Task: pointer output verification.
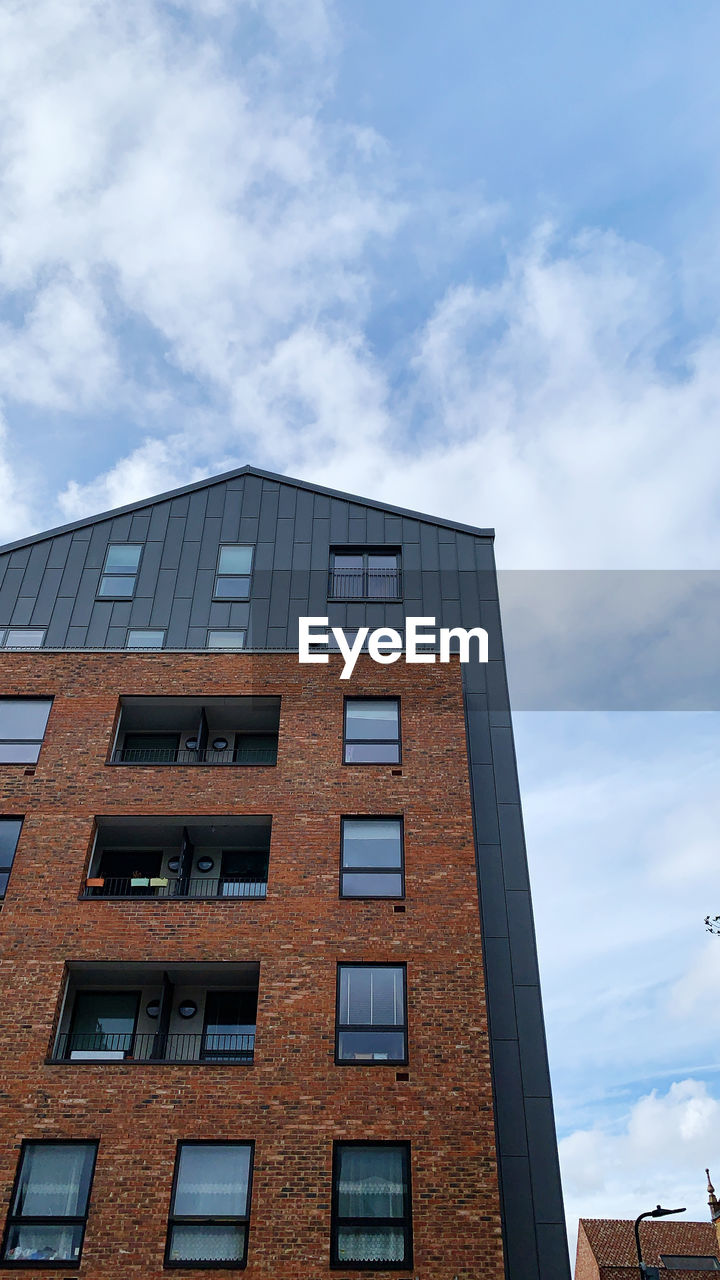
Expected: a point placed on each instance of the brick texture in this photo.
(293, 1101)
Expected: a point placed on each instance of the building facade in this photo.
(270, 979)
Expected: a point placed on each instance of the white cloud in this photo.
(195, 224)
(657, 1155)
(14, 509)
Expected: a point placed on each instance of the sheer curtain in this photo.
(371, 1185)
(54, 1184)
(212, 1183)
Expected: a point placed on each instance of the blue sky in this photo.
(463, 259)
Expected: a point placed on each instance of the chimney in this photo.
(714, 1208)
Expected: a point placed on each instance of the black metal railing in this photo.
(168, 755)
(365, 584)
(128, 1046)
(164, 887)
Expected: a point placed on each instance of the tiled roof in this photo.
(612, 1241)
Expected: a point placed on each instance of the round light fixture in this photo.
(205, 864)
(174, 864)
(152, 1009)
(191, 744)
(187, 1009)
(220, 744)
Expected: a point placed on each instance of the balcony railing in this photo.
(153, 1047)
(247, 755)
(365, 584)
(163, 887)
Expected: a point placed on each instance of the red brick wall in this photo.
(586, 1267)
(293, 1100)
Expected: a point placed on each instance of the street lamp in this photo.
(646, 1272)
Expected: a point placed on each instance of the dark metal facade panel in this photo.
(541, 1140)
(531, 1031)
(520, 1238)
(448, 573)
(510, 1109)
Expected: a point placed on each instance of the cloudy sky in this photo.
(464, 259)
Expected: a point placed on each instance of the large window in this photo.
(371, 1024)
(103, 1025)
(9, 835)
(210, 1205)
(48, 1211)
(371, 858)
(119, 574)
(371, 1208)
(229, 1028)
(372, 731)
(22, 728)
(365, 574)
(232, 580)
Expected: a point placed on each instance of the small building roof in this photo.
(612, 1244)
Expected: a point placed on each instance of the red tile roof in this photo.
(612, 1241)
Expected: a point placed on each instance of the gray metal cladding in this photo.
(52, 581)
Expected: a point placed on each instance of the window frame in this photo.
(221, 648)
(34, 741)
(376, 764)
(670, 1260)
(10, 817)
(144, 648)
(6, 643)
(406, 1220)
(388, 871)
(13, 1219)
(81, 991)
(173, 1219)
(362, 1026)
(366, 551)
(218, 575)
(104, 573)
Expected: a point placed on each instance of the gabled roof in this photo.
(233, 475)
(612, 1241)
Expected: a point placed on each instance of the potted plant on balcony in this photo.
(139, 881)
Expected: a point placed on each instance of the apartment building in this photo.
(270, 988)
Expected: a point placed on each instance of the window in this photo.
(150, 748)
(371, 858)
(371, 1024)
(229, 1029)
(226, 640)
(22, 728)
(365, 574)
(48, 1212)
(232, 580)
(9, 835)
(145, 639)
(210, 1205)
(372, 731)
(120, 571)
(103, 1025)
(371, 1214)
(685, 1262)
(22, 638)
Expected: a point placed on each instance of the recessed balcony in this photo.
(193, 1013)
(187, 731)
(180, 858)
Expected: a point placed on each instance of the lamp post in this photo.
(658, 1212)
